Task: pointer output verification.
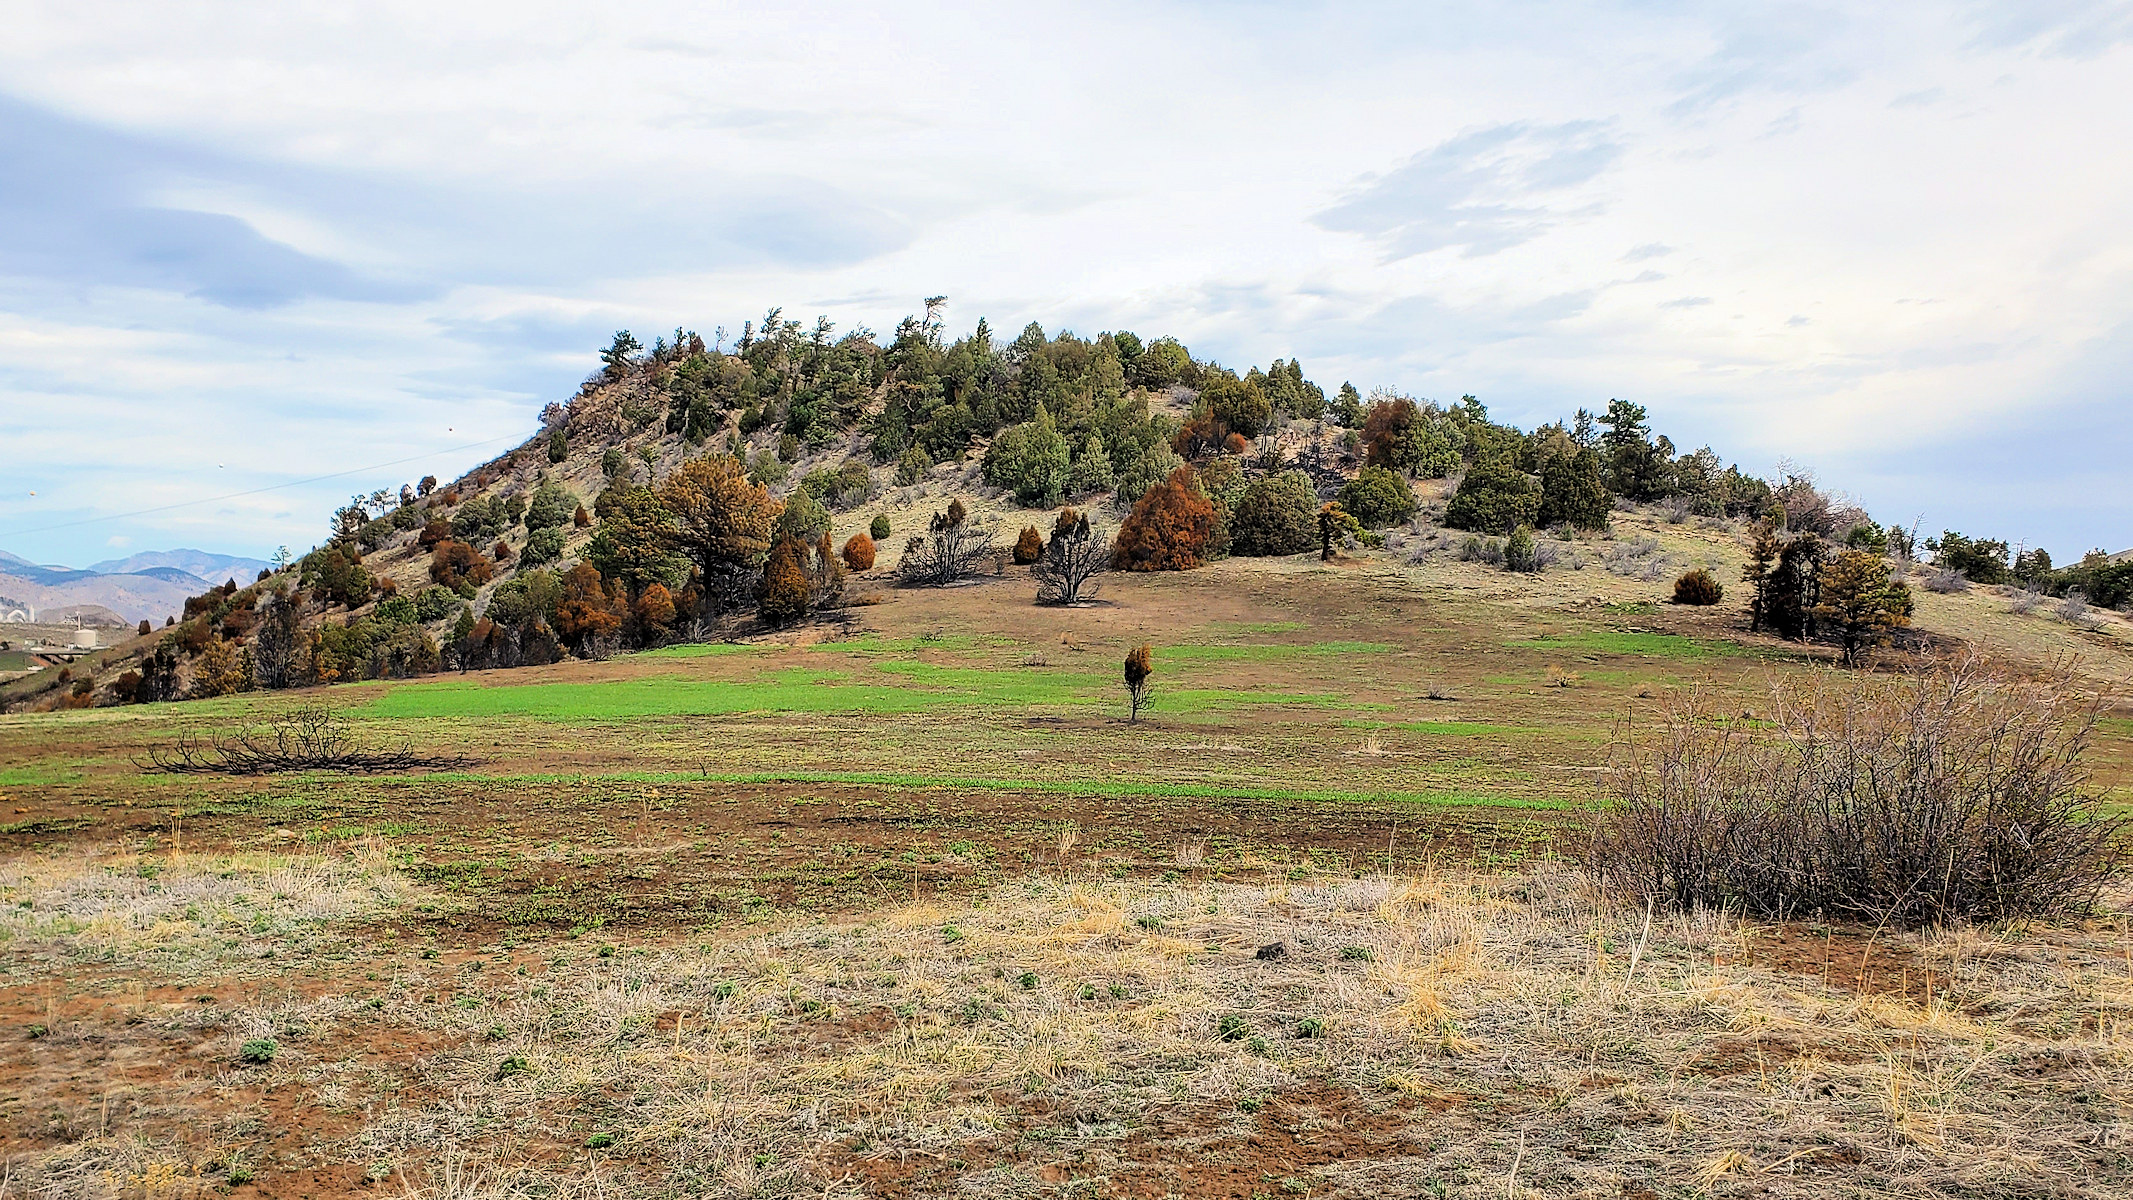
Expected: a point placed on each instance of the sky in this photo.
(247, 246)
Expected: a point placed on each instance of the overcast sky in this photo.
(245, 245)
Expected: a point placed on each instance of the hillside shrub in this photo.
(879, 529)
(1378, 497)
(1519, 552)
(1495, 497)
(859, 552)
(1147, 469)
(1421, 441)
(544, 546)
(1955, 793)
(804, 517)
(1698, 587)
(1029, 460)
(654, 613)
(1981, 560)
(552, 507)
(1275, 516)
(1574, 492)
(1091, 469)
(1168, 530)
(1029, 547)
(459, 566)
(435, 603)
(913, 466)
(1239, 404)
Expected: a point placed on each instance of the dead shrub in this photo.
(1956, 791)
(1698, 587)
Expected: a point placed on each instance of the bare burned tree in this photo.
(308, 739)
(952, 548)
(1077, 554)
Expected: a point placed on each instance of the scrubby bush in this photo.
(551, 508)
(1091, 469)
(804, 517)
(879, 529)
(544, 546)
(1494, 497)
(1422, 441)
(1275, 516)
(1147, 469)
(1168, 530)
(1029, 547)
(435, 603)
(1981, 560)
(1698, 587)
(912, 466)
(1378, 497)
(785, 591)
(859, 552)
(1029, 460)
(1954, 793)
(460, 567)
(1519, 552)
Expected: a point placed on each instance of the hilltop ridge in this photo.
(566, 543)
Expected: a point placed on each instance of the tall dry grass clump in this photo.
(1955, 791)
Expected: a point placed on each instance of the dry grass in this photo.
(88, 906)
(1511, 1034)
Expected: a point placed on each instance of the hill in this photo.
(150, 586)
(198, 564)
(832, 432)
(884, 894)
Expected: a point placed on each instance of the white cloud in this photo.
(286, 240)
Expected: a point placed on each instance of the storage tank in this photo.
(85, 639)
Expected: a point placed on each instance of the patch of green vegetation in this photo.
(36, 776)
(46, 825)
(916, 687)
(1263, 653)
(1653, 645)
(876, 644)
(1447, 728)
(1099, 788)
(698, 650)
(1200, 700)
(623, 699)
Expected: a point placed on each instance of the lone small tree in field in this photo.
(1138, 693)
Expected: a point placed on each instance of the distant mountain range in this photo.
(145, 587)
